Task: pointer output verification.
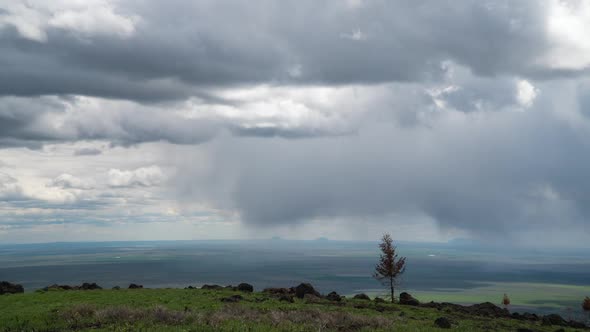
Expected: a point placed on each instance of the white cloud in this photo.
(67, 181)
(568, 22)
(9, 187)
(356, 34)
(86, 18)
(100, 19)
(525, 93)
(144, 176)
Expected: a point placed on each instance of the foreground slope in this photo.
(222, 310)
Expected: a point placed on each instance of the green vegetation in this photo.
(538, 295)
(203, 310)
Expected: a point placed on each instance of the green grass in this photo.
(521, 294)
(203, 310)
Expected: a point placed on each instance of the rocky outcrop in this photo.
(211, 287)
(10, 288)
(244, 287)
(135, 286)
(525, 316)
(89, 286)
(407, 299)
(333, 296)
(362, 296)
(443, 323)
(84, 286)
(304, 289)
(276, 291)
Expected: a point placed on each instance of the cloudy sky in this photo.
(433, 120)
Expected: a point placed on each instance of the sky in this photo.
(164, 120)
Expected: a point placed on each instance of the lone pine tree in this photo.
(390, 266)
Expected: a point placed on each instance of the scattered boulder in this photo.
(190, 287)
(89, 286)
(232, 299)
(213, 287)
(443, 323)
(488, 309)
(312, 298)
(525, 316)
(56, 287)
(362, 296)
(116, 288)
(244, 287)
(379, 300)
(333, 296)
(135, 286)
(407, 299)
(305, 288)
(9, 288)
(554, 319)
(276, 291)
(84, 286)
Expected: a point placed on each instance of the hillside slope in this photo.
(231, 310)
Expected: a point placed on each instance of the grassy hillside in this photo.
(204, 310)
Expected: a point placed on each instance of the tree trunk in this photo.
(391, 286)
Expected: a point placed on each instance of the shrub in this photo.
(506, 300)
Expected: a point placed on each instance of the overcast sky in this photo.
(433, 120)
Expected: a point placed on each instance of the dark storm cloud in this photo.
(505, 174)
(179, 46)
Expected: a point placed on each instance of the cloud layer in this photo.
(219, 118)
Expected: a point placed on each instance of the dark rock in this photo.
(84, 286)
(56, 287)
(333, 296)
(135, 286)
(244, 287)
(529, 316)
(443, 323)
(522, 329)
(88, 286)
(286, 298)
(312, 298)
(9, 288)
(379, 300)
(277, 291)
(213, 287)
(362, 296)
(305, 288)
(116, 288)
(190, 287)
(232, 299)
(576, 325)
(488, 309)
(407, 299)
(554, 319)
